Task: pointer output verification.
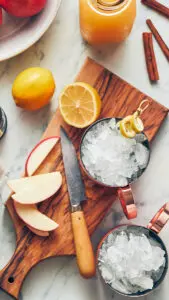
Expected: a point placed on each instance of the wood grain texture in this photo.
(119, 99)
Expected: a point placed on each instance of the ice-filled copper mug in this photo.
(151, 232)
(124, 193)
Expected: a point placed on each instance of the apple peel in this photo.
(1, 16)
(38, 232)
(34, 219)
(39, 153)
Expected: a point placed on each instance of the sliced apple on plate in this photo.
(35, 189)
(39, 153)
(34, 219)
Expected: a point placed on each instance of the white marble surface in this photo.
(62, 50)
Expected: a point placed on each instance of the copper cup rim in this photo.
(88, 173)
(157, 238)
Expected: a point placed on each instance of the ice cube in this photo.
(143, 282)
(121, 181)
(142, 155)
(107, 275)
(140, 138)
(112, 124)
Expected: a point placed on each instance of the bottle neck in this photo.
(110, 5)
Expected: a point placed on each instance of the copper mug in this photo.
(125, 194)
(153, 229)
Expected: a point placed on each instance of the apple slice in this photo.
(39, 153)
(0, 16)
(38, 232)
(35, 189)
(53, 178)
(34, 219)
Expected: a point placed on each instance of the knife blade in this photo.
(76, 190)
(75, 184)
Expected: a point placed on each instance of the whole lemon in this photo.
(33, 88)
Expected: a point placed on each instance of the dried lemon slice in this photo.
(126, 128)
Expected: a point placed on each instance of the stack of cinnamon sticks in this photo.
(148, 40)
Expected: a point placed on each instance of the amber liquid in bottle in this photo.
(106, 21)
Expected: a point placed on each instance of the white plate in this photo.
(17, 35)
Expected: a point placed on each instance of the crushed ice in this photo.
(131, 262)
(111, 158)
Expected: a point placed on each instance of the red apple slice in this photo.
(39, 153)
(0, 16)
(32, 217)
(38, 232)
(35, 189)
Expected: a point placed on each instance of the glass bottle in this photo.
(106, 21)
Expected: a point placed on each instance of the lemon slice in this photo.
(79, 104)
(126, 128)
(137, 123)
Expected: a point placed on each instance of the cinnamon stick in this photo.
(150, 56)
(164, 10)
(158, 38)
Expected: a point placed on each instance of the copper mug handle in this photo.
(126, 198)
(160, 219)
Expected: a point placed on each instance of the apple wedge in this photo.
(34, 219)
(38, 232)
(39, 153)
(35, 189)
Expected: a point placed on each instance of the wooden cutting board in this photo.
(119, 99)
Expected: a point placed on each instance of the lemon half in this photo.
(79, 104)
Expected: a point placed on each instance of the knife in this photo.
(76, 190)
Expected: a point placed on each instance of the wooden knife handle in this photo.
(83, 245)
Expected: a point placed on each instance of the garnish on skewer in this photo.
(126, 128)
(131, 125)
